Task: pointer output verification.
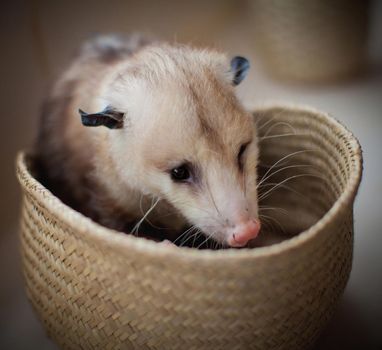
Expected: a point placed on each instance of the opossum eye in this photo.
(109, 117)
(181, 173)
(240, 155)
(239, 67)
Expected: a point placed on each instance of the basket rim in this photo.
(123, 242)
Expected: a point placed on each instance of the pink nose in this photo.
(243, 233)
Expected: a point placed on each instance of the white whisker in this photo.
(282, 210)
(275, 221)
(279, 123)
(282, 169)
(208, 237)
(135, 229)
(264, 195)
(265, 124)
(280, 135)
(282, 159)
(184, 233)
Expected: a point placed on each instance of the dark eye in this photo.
(240, 155)
(180, 173)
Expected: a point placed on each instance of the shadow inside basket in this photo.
(300, 176)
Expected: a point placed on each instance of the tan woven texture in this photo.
(315, 40)
(94, 288)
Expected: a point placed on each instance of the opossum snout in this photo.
(243, 232)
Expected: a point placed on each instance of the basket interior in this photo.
(304, 166)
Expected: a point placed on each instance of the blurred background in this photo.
(321, 53)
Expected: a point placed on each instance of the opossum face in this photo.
(205, 166)
(188, 141)
(199, 152)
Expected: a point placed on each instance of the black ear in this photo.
(239, 67)
(109, 117)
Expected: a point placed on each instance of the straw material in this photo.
(314, 40)
(94, 288)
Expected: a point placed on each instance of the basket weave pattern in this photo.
(94, 288)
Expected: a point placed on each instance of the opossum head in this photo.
(183, 136)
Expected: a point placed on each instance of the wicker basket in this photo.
(95, 288)
(312, 41)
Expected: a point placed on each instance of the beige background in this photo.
(38, 39)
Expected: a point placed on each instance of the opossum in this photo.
(140, 130)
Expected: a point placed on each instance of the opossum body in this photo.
(173, 146)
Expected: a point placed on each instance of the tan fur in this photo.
(179, 105)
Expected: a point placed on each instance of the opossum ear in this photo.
(239, 68)
(109, 117)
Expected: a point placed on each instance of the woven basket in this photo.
(94, 288)
(312, 41)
